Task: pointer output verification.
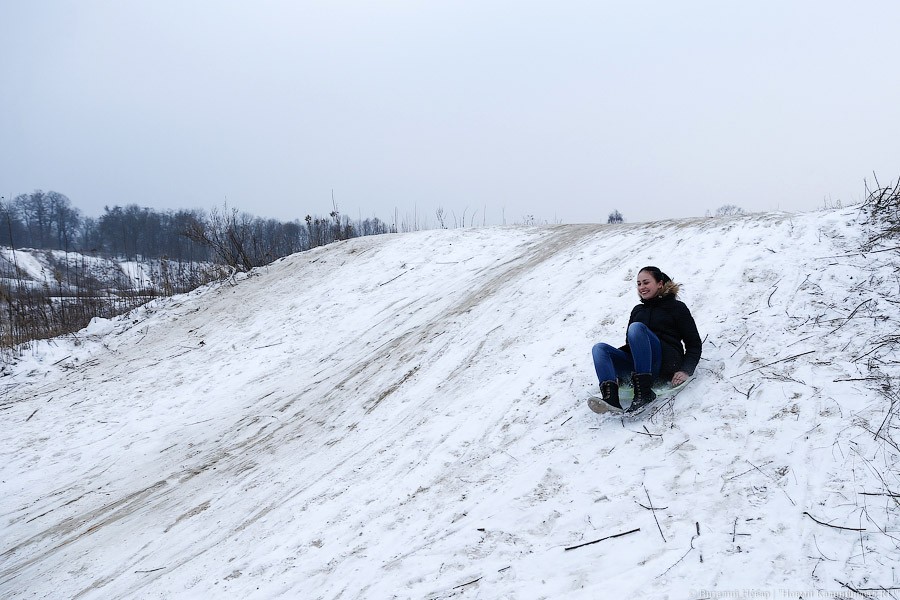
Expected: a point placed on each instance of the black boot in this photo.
(609, 391)
(609, 397)
(643, 392)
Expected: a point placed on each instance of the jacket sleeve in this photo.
(693, 345)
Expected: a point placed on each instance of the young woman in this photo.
(662, 342)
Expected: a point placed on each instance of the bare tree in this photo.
(12, 230)
(229, 235)
(729, 210)
(34, 211)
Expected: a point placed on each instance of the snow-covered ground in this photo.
(404, 416)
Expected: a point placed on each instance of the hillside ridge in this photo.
(404, 416)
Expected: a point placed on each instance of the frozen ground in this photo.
(404, 417)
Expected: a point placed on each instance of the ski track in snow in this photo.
(404, 416)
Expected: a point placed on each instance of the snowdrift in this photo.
(404, 416)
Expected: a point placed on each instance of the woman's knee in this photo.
(601, 349)
(636, 328)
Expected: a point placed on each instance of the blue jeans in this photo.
(613, 364)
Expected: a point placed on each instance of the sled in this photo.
(663, 390)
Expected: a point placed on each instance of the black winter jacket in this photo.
(671, 321)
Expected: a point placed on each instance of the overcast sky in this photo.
(561, 110)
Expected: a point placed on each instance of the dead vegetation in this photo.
(882, 207)
(77, 289)
(880, 427)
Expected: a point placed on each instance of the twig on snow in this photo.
(734, 532)
(822, 554)
(879, 436)
(645, 432)
(830, 525)
(675, 449)
(752, 467)
(889, 494)
(859, 253)
(669, 403)
(654, 514)
(681, 559)
(747, 393)
(609, 537)
(742, 344)
(738, 475)
(758, 469)
(772, 479)
(776, 362)
(884, 342)
(395, 278)
(852, 589)
(268, 346)
(881, 588)
(468, 583)
(511, 456)
(800, 340)
(847, 320)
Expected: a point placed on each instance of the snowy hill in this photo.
(404, 416)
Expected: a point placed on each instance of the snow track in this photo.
(403, 416)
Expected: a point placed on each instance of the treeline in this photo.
(48, 220)
(104, 266)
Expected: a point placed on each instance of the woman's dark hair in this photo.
(657, 274)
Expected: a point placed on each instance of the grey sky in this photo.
(561, 110)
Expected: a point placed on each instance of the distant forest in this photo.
(48, 220)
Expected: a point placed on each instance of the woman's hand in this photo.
(679, 378)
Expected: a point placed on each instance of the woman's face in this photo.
(647, 286)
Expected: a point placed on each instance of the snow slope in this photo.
(404, 416)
